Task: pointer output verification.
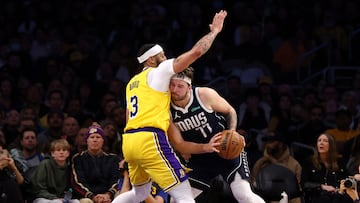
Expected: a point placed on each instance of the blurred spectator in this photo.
(53, 132)
(298, 118)
(277, 151)
(310, 97)
(322, 172)
(40, 47)
(313, 127)
(280, 114)
(266, 91)
(34, 99)
(70, 129)
(55, 102)
(11, 125)
(234, 91)
(333, 32)
(342, 132)
(255, 49)
(107, 101)
(252, 113)
(352, 155)
(349, 100)
(80, 141)
(110, 133)
(24, 123)
(287, 55)
(117, 87)
(8, 95)
(10, 177)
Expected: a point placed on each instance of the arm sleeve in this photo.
(39, 182)
(115, 176)
(78, 178)
(159, 78)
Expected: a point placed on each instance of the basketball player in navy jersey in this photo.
(200, 113)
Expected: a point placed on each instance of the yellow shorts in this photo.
(150, 157)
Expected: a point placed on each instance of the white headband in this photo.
(182, 77)
(149, 53)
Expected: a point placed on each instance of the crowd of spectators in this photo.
(64, 64)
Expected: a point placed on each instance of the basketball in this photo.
(231, 144)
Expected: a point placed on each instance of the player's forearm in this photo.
(193, 148)
(204, 44)
(231, 119)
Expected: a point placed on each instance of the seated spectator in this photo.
(280, 114)
(70, 129)
(95, 173)
(10, 177)
(80, 142)
(28, 157)
(322, 172)
(55, 101)
(314, 126)
(277, 152)
(352, 155)
(53, 132)
(10, 127)
(51, 178)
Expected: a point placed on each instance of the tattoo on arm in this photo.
(205, 42)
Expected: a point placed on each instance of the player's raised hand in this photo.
(218, 21)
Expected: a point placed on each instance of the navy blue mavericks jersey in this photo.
(199, 124)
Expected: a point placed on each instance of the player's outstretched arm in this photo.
(186, 147)
(202, 46)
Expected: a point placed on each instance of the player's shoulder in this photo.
(205, 92)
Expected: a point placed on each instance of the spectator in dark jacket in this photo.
(95, 173)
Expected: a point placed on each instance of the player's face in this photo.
(160, 57)
(178, 89)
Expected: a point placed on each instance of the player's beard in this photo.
(178, 98)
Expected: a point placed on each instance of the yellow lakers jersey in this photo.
(146, 106)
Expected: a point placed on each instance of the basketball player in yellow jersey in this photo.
(146, 146)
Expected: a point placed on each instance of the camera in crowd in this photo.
(350, 182)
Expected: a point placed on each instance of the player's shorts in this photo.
(151, 158)
(202, 175)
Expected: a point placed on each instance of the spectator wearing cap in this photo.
(342, 132)
(95, 174)
(277, 152)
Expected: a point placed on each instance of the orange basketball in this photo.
(231, 144)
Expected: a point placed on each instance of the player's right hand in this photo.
(218, 21)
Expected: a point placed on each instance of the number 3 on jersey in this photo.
(134, 106)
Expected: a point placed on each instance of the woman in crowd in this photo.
(322, 172)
